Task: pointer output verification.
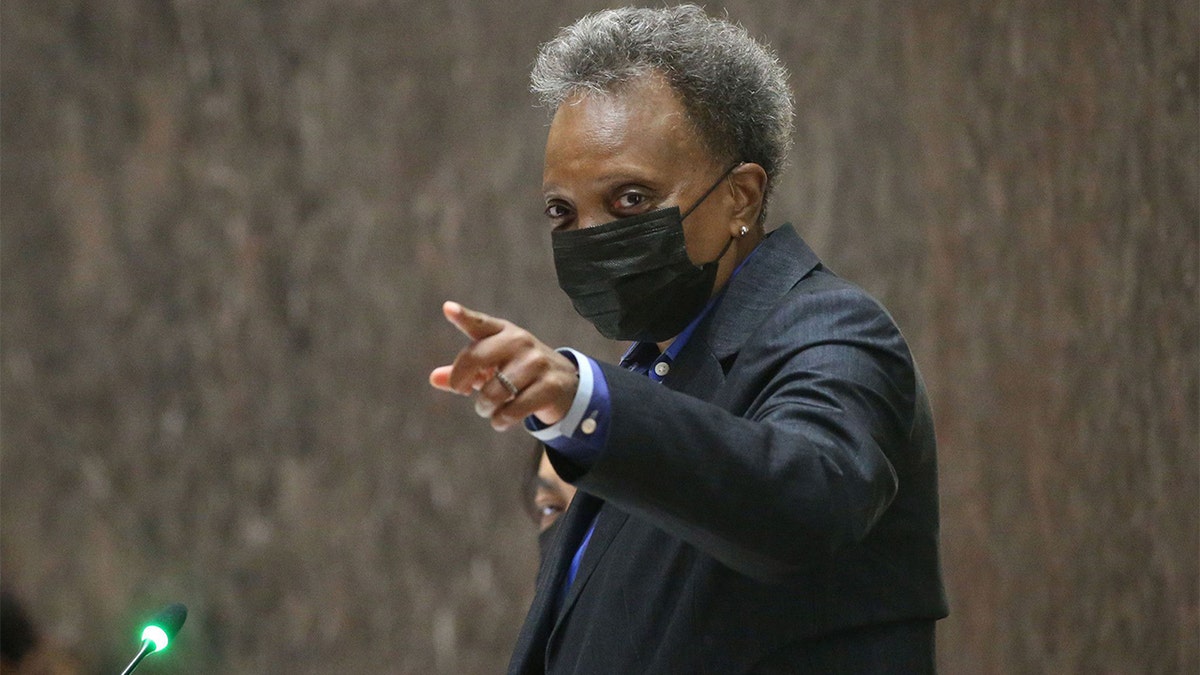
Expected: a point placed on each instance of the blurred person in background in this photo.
(757, 477)
(545, 495)
(23, 651)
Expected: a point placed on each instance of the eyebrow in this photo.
(610, 179)
(624, 176)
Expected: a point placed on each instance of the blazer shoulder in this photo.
(822, 305)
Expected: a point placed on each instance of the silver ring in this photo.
(512, 388)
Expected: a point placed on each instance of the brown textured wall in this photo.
(227, 227)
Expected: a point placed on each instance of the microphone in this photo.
(159, 632)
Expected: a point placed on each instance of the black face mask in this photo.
(632, 277)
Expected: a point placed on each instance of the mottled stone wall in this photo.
(227, 228)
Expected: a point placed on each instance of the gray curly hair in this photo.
(734, 89)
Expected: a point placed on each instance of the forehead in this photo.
(640, 128)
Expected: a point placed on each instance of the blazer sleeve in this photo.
(791, 457)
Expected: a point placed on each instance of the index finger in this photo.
(473, 324)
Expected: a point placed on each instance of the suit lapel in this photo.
(529, 652)
(779, 264)
(609, 522)
(696, 370)
(775, 267)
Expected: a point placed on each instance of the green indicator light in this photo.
(156, 635)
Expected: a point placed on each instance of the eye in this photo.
(559, 213)
(629, 200)
(549, 506)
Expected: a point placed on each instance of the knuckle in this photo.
(524, 339)
(562, 381)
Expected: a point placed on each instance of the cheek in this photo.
(705, 238)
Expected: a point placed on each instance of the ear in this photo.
(747, 184)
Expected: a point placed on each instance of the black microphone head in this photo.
(163, 627)
(170, 619)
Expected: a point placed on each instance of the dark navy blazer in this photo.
(770, 508)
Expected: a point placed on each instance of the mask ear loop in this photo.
(705, 196)
(710, 190)
(723, 252)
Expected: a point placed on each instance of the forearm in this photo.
(766, 489)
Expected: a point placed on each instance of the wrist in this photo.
(563, 418)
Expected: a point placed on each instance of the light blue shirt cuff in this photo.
(581, 434)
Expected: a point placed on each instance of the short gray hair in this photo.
(734, 89)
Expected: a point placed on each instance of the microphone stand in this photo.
(147, 648)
